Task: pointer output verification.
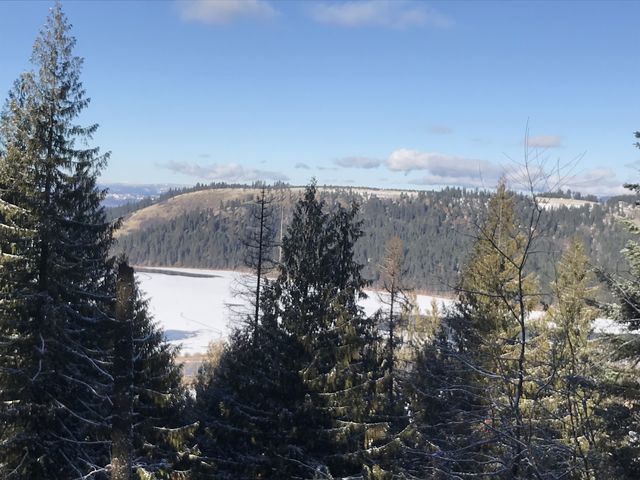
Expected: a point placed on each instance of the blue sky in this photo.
(394, 94)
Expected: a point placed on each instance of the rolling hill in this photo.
(203, 227)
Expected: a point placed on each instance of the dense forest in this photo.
(309, 387)
(436, 228)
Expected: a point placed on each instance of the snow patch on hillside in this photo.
(549, 203)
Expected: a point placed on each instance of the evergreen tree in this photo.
(565, 365)
(622, 414)
(247, 400)
(55, 276)
(161, 435)
(447, 405)
(318, 287)
(246, 406)
(496, 298)
(299, 402)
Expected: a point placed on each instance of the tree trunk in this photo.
(121, 432)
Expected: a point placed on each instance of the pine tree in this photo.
(55, 276)
(446, 402)
(496, 298)
(299, 402)
(566, 365)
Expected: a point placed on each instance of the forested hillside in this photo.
(203, 228)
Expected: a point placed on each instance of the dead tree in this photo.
(396, 301)
(260, 244)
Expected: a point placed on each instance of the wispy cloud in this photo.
(597, 181)
(470, 181)
(228, 172)
(440, 129)
(302, 166)
(444, 169)
(358, 162)
(544, 141)
(224, 11)
(406, 160)
(379, 13)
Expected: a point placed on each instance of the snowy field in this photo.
(196, 307)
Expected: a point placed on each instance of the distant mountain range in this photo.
(123, 193)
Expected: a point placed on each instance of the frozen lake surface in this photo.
(196, 306)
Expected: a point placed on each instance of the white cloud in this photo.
(444, 169)
(228, 172)
(544, 141)
(358, 162)
(302, 165)
(379, 13)
(406, 160)
(224, 11)
(598, 181)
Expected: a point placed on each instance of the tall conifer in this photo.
(55, 276)
(496, 298)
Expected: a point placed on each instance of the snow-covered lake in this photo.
(196, 306)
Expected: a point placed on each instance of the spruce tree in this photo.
(446, 402)
(55, 277)
(301, 400)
